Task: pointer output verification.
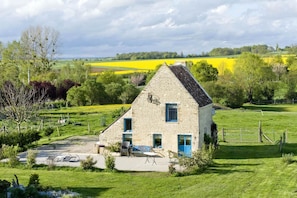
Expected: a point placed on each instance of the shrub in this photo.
(48, 131)
(21, 139)
(10, 152)
(4, 185)
(17, 193)
(200, 160)
(207, 139)
(171, 169)
(34, 180)
(116, 147)
(88, 163)
(288, 158)
(31, 158)
(109, 161)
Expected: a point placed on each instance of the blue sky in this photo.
(100, 28)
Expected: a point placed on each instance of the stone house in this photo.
(173, 112)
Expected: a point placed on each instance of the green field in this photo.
(240, 170)
(274, 119)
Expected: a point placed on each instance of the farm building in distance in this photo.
(173, 112)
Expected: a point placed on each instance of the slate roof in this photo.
(190, 83)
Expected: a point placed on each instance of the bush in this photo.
(288, 158)
(31, 158)
(207, 139)
(48, 131)
(10, 152)
(116, 147)
(109, 162)
(171, 169)
(200, 160)
(4, 185)
(88, 163)
(34, 180)
(21, 139)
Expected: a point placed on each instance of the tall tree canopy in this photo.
(204, 72)
(250, 71)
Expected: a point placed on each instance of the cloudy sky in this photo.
(100, 28)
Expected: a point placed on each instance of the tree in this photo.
(114, 91)
(137, 79)
(204, 72)
(95, 92)
(63, 87)
(11, 64)
(108, 77)
(278, 66)
(130, 92)
(40, 46)
(44, 86)
(76, 71)
(248, 73)
(20, 103)
(76, 96)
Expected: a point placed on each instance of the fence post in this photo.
(284, 137)
(260, 132)
(223, 135)
(281, 144)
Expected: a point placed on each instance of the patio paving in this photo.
(84, 146)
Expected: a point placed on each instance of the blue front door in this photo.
(185, 145)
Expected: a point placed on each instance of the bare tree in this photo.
(40, 46)
(20, 103)
(137, 79)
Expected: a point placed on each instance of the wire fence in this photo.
(256, 135)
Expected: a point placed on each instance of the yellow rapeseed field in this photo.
(126, 67)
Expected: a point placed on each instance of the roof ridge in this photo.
(191, 84)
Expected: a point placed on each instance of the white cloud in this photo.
(107, 27)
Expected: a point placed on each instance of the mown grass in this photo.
(273, 118)
(83, 120)
(239, 170)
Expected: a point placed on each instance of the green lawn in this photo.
(274, 119)
(240, 170)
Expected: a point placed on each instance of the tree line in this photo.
(252, 80)
(220, 51)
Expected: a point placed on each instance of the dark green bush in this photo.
(22, 139)
(48, 131)
(34, 180)
(4, 185)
